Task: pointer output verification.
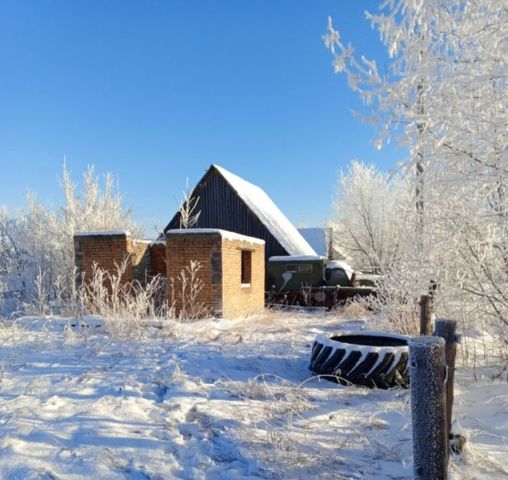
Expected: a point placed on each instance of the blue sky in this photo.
(156, 91)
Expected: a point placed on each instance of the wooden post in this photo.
(447, 329)
(428, 407)
(426, 315)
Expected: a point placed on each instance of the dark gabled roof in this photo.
(263, 208)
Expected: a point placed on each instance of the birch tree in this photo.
(444, 98)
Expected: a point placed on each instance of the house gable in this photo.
(228, 202)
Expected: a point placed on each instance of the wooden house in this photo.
(228, 202)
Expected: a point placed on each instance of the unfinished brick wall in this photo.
(203, 248)
(219, 255)
(106, 250)
(240, 299)
(103, 250)
(158, 258)
(140, 262)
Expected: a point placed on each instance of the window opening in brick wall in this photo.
(246, 267)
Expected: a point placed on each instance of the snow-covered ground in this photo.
(215, 400)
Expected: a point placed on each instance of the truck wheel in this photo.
(371, 359)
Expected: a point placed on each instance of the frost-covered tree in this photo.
(443, 96)
(36, 246)
(94, 205)
(444, 93)
(371, 215)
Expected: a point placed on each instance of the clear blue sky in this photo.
(156, 91)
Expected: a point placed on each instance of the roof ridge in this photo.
(272, 217)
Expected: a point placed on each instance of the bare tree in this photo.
(188, 210)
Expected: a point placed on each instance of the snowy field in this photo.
(215, 400)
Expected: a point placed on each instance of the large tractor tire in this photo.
(371, 359)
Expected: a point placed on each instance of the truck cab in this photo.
(312, 280)
(291, 273)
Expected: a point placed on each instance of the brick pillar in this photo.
(205, 249)
(232, 282)
(103, 249)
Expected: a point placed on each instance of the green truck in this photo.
(315, 281)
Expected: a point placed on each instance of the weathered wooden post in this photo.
(426, 315)
(446, 329)
(428, 407)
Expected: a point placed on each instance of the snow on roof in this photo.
(269, 214)
(316, 238)
(296, 258)
(225, 234)
(100, 233)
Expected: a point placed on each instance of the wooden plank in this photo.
(426, 315)
(447, 329)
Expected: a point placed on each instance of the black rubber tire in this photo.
(371, 359)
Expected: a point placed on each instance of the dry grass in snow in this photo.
(215, 399)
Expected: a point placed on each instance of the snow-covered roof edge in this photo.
(268, 214)
(296, 258)
(225, 234)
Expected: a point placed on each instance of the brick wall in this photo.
(242, 299)
(103, 250)
(220, 258)
(218, 253)
(203, 248)
(106, 250)
(158, 258)
(140, 262)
